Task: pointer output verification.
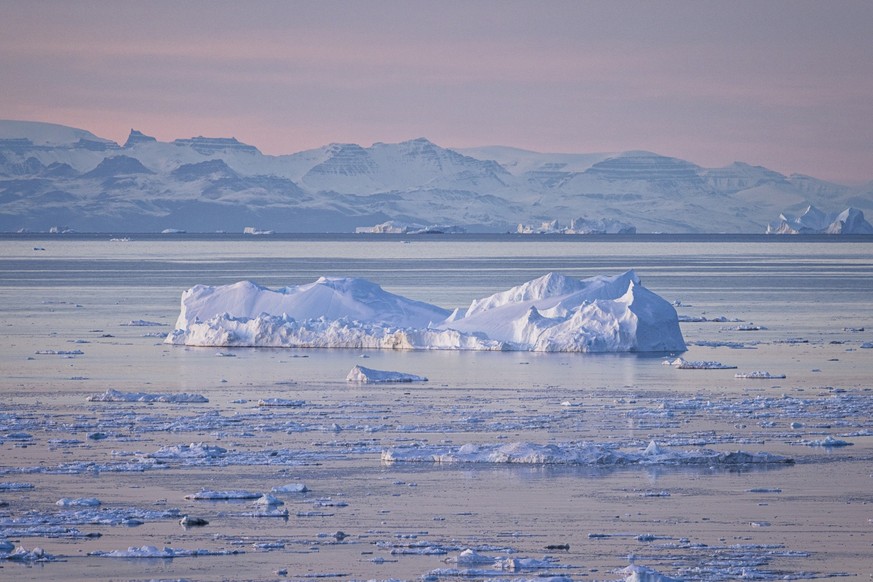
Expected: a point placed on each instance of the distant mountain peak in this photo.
(48, 134)
(210, 145)
(117, 166)
(213, 169)
(137, 137)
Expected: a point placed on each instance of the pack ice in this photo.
(553, 313)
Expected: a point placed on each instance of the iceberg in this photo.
(814, 221)
(362, 375)
(553, 313)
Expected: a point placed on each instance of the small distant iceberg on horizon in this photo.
(814, 221)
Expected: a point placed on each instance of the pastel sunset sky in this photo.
(784, 84)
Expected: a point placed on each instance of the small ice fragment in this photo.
(208, 495)
(636, 573)
(268, 500)
(281, 402)
(189, 521)
(828, 441)
(759, 375)
(682, 364)
(80, 502)
(13, 486)
(290, 488)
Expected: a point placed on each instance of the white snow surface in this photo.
(553, 313)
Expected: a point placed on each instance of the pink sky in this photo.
(784, 84)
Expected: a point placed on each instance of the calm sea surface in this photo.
(73, 311)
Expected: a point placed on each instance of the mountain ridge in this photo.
(51, 173)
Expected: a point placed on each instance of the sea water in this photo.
(83, 314)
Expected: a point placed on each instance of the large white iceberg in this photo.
(553, 313)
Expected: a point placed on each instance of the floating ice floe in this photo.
(702, 319)
(574, 454)
(683, 364)
(281, 402)
(59, 353)
(12, 486)
(290, 488)
(141, 323)
(634, 573)
(209, 495)
(79, 502)
(362, 375)
(553, 313)
(759, 375)
(154, 552)
(191, 451)
(725, 344)
(496, 566)
(22, 555)
(828, 441)
(117, 396)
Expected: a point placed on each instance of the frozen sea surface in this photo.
(563, 466)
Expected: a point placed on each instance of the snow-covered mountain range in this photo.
(57, 176)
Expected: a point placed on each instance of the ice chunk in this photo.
(362, 375)
(281, 402)
(290, 488)
(682, 364)
(80, 502)
(760, 375)
(154, 552)
(634, 573)
(209, 495)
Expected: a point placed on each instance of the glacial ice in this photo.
(553, 313)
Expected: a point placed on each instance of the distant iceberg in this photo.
(814, 221)
(394, 227)
(579, 226)
(553, 313)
